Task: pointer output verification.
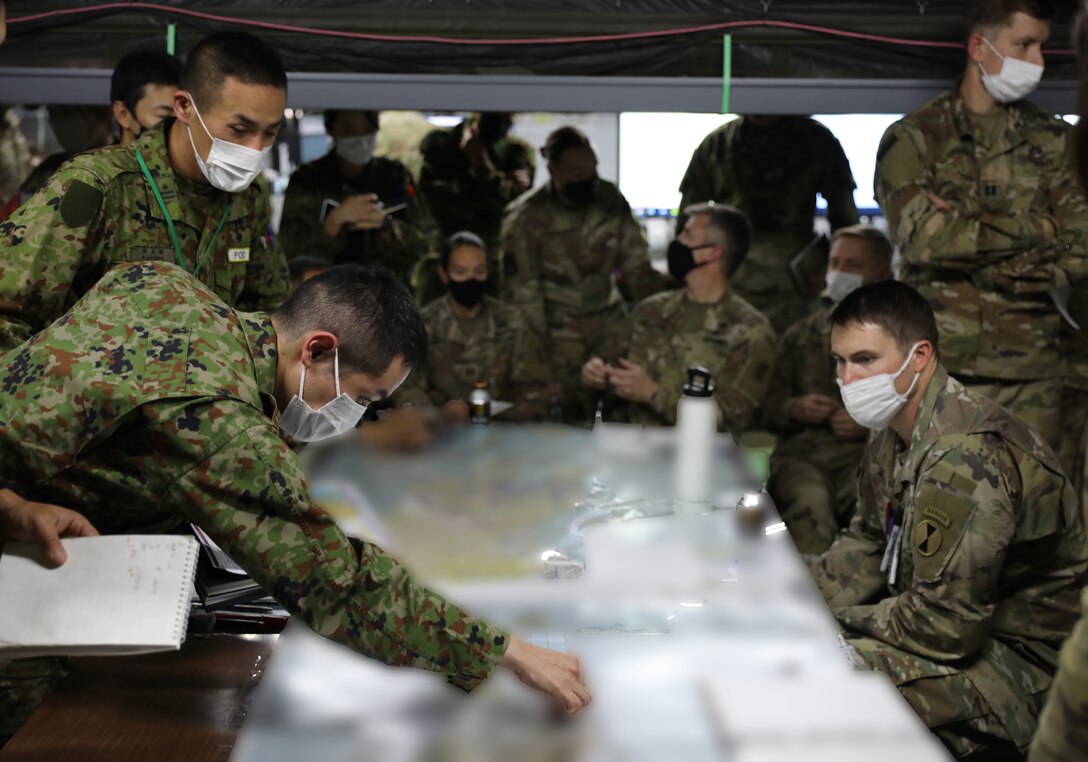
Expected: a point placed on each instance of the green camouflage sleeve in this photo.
(267, 278)
(957, 238)
(848, 573)
(49, 243)
(945, 607)
(529, 375)
(634, 259)
(1063, 724)
(837, 187)
(519, 281)
(781, 389)
(301, 233)
(416, 390)
(416, 235)
(251, 497)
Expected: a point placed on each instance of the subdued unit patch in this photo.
(80, 204)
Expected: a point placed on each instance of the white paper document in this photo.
(122, 594)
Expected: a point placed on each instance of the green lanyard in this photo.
(170, 220)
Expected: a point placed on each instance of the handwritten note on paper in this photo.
(114, 595)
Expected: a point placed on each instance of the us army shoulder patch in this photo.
(941, 519)
(80, 204)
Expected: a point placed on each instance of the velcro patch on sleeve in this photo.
(80, 204)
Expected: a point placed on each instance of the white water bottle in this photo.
(696, 427)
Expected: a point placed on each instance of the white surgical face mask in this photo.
(840, 283)
(873, 401)
(300, 421)
(358, 149)
(229, 167)
(1016, 80)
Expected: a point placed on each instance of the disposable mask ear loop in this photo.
(336, 368)
(906, 364)
(198, 116)
(302, 382)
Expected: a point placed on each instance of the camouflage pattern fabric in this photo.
(730, 338)
(98, 211)
(400, 245)
(496, 346)
(24, 685)
(982, 264)
(813, 473)
(1036, 403)
(772, 173)
(559, 266)
(150, 405)
(1063, 725)
(991, 559)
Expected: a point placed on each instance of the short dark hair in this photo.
(138, 69)
(874, 236)
(990, 14)
(332, 114)
(248, 59)
(458, 239)
(898, 309)
(367, 308)
(299, 266)
(732, 228)
(563, 139)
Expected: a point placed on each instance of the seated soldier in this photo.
(960, 571)
(814, 467)
(475, 337)
(351, 206)
(181, 404)
(703, 324)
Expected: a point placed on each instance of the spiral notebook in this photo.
(122, 594)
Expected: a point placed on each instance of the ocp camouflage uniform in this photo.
(1063, 725)
(496, 346)
(1074, 407)
(464, 196)
(983, 265)
(98, 211)
(772, 173)
(559, 266)
(410, 234)
(813, 473)
(730, 338)
(990, 562)
(150, 405)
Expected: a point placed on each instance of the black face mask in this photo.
(580, 192)
(467, 293)
(681, 259)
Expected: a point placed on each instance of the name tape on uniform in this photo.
(238, 255)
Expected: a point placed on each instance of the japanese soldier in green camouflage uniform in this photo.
(989, 221)
(704, 324)
(474, 337)
(814, 467)
(959, 574)
(771, 168)
(562, 246)
(336, 207)
(152, 404)
(173, 195)
(470, 173)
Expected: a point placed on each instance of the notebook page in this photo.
(116, 594)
